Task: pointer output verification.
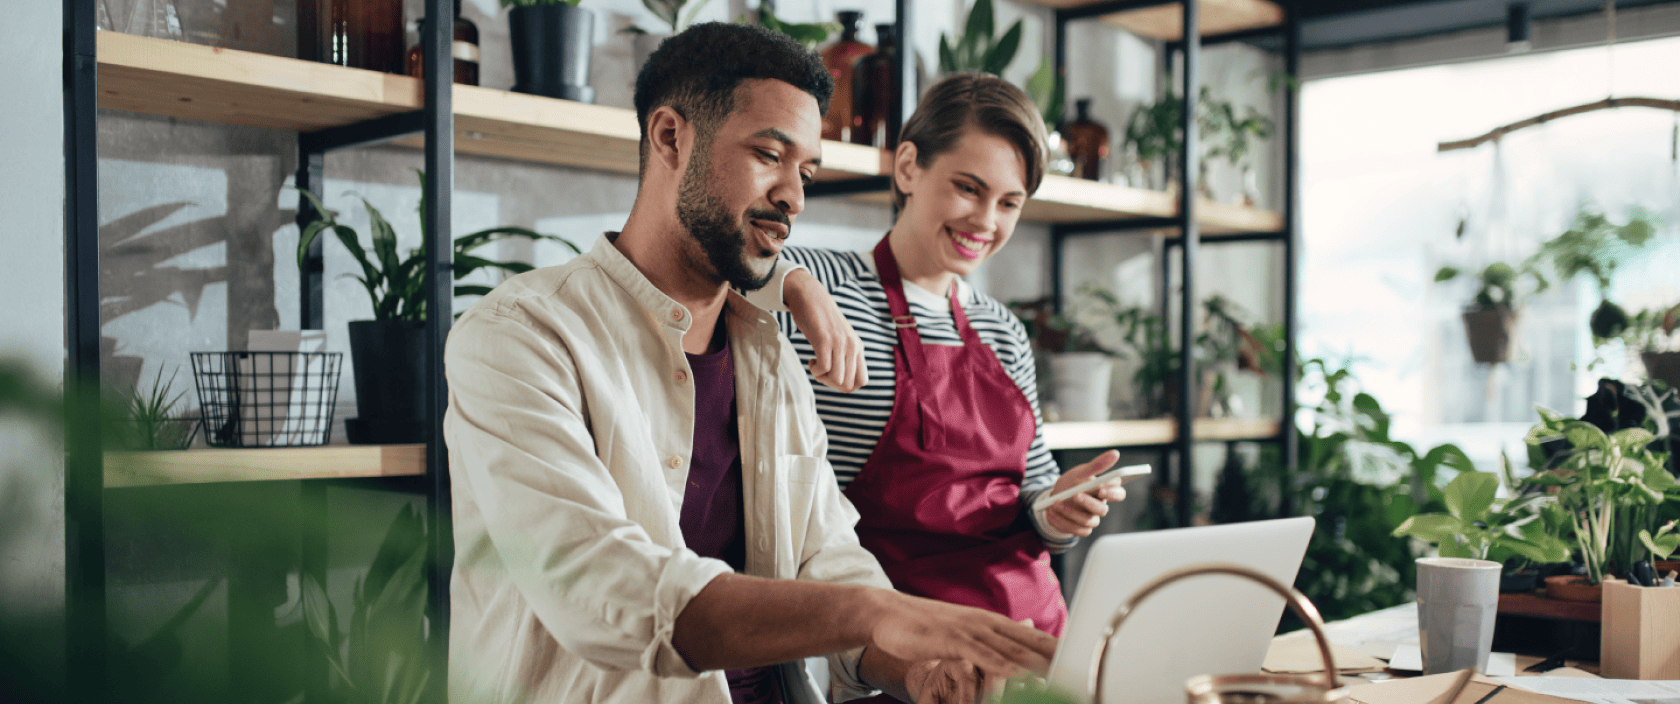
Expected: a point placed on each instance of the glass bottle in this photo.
(464, 47)
(839, 58)
(1087, 142)
(361, 33)
(874, 91)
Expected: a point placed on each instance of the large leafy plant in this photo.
(808, 34)
(382, 657)
(397, 285)
(1611, 485)
(1594, 246)
(976, 49)
(1479, 525)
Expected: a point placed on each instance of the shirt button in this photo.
(676, 315)
(682, 376)
(675, 462)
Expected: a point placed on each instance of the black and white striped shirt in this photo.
(855, 421)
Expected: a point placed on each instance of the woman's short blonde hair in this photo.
(982, 102)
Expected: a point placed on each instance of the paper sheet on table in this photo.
(1601, 691)
(1408, 657)
(1435, 688)
(1297, 655)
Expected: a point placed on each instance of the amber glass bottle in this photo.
(1087, 142)
(873, 93)
(839, 58)
(464, 48)
(362, 33)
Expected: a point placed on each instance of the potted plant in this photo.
(382, 656)
(1651, 332)
(150, 419)
(389, 353)
(552, 43)
(1492, 313)
(1611, 486)
(670, 12)
(1080, 366)
(976, 49)
(1595, 246)
(1154, 134)
(1480, 526)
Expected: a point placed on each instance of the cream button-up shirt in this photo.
(570, 429)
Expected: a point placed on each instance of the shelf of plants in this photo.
(1166, 21)
(1155, 431)
(128, 469)
(163, 77)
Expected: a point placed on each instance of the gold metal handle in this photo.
(1297, 601)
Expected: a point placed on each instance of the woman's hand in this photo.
(839, 351)
(1079, 514)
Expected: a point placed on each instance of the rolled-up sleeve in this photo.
(555, 517)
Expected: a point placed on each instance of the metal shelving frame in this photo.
(85, 579)
(1190, 238)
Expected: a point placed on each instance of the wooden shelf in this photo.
(175, 79)
(127, 469)
(1156, 431)
(1166, 22)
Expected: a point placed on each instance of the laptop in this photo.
(1203, 625)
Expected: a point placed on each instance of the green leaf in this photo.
(999, 56)
(979, 20)
(370, 275)
(1447, 273)
(307, 237)
(1469, 495)
(315, 608)
(1586, 435)
(1435, 528)
(1630, 439)
(947, 59)
(1661, 547)
(384, 238)
(472, 290)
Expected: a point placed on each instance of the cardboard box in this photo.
(1640, 638)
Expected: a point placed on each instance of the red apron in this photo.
(940, 496)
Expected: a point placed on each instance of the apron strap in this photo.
(915, 358)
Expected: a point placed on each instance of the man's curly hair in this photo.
(696, 72)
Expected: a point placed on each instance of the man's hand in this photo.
(947, 682)
(914, 630)
(1079, 514)
(839, 351)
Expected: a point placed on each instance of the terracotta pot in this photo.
(1489, 332)
(1571, 587)
(1662, 365)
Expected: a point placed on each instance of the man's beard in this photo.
(703, 213)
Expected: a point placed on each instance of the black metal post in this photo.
(1188, 159)
(311, 297)
(904, 99)
(1057, 239)
(437, 40)
(1291, 235)
(84, 470)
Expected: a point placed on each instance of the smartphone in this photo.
(1124, 474)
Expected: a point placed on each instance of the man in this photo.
(642, 508)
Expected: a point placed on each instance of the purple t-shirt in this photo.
(712, 521)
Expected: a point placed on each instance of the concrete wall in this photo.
(32, 329)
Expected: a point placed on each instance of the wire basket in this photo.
(267, 399)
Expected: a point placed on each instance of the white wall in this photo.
(32, 319)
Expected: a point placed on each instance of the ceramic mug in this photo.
(1457, 601)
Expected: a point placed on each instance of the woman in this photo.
(941, 451)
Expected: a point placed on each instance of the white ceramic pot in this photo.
(1081, 384)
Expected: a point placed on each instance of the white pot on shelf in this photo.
(1081, 384)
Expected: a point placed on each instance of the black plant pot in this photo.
(1520, 581)
(390, 358)
(551, 48)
